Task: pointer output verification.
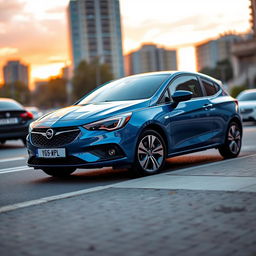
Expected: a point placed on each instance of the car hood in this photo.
(247, 104)
(83, 114)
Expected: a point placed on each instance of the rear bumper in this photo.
(14, 132)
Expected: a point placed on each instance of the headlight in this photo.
(109, 124)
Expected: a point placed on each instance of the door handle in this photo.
(207, 106)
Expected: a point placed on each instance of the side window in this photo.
(165, 98)
(187, 83)
(210, 88)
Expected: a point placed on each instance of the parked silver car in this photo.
(247, 104)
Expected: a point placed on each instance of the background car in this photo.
(137, 122)
(14, 120)
(247, 104)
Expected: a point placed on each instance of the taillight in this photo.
(27, 115)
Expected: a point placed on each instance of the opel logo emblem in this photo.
(49, 134)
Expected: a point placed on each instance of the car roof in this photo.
(7, 100)
(249, 90)
(177, 72)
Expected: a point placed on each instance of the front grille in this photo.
(62, 136)
(70, 160)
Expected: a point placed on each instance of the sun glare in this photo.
(186, 58)
(44, 72)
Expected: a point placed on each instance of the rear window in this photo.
(10, 105)
(209, 87)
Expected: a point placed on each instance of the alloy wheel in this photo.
(150, 153)
(234, 139)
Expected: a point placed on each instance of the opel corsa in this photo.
(137, 122)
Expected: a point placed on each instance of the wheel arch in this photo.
(236, 120)
(160, 130)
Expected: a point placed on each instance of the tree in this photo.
(223, 71)
(88, 76)
(17, 91)
(237, 89)
(52, 94)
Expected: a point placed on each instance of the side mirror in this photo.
(181, 95)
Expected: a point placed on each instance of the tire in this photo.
(233, 141)
(59, 172)
(150, 154)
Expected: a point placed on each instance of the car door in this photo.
(217, 110)
(190, 123)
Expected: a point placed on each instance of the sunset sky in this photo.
(35, 31)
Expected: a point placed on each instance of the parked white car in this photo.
(247, 104)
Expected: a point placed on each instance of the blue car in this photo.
(137, 122)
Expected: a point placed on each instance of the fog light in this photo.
(111, 152)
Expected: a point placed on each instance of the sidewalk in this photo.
(207, 210)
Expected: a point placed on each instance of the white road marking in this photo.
(15, 169)
(50, 198)
(12, 159)
(249, 186)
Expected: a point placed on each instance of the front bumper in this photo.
(89, 150)
(249, 117)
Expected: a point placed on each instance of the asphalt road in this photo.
(18, 183)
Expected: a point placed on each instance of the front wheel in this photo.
(233, 141)
(58, 172)
(150, 154)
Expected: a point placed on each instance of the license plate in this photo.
(51, 153)
(13, 120)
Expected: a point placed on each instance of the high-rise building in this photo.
(244, 55)
(150, 58)
(209, 53)
(15, 71)
(95, 33)
(253, 16)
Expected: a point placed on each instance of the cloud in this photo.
(10, 8)
(7, 51)
(31, 37)
(57, 59)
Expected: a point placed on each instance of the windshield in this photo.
(128, 88)
(247, 96)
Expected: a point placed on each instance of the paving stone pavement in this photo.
(121, 221)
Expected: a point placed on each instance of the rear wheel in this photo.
(233, 141)
(59, 172)
(150, 153)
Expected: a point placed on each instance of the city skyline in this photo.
(36, 31)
